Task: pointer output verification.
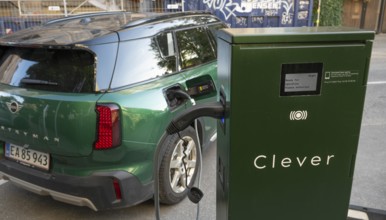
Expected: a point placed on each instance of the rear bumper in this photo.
(95, 191)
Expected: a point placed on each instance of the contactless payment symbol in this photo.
(298, 115)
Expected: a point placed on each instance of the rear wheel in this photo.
(179, 166)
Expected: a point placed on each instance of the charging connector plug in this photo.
(182, 121)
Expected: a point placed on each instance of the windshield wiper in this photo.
(38, 82)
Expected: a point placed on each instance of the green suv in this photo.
(85, 100)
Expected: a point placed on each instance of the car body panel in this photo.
(55, 123)
(65, 124)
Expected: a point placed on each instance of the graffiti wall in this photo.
(257, 13)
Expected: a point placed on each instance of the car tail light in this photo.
(117, 189)
(108, 126)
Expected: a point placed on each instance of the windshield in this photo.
(46, 69)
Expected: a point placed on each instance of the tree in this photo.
(330, 12)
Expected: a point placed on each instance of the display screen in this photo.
(301, 79)
(300, 82)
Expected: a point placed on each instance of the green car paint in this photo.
(49, 117)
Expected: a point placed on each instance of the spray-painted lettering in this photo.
(229, 8)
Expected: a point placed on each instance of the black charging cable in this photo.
(181, 122)
(194, 193)
(180, 93)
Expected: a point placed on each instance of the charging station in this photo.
(286, 148)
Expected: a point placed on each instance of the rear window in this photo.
(48, 69)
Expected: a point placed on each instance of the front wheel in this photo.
(179, 166)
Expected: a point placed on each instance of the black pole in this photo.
(381, 16)
(363, 14)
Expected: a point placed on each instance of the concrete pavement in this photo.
(369, 187)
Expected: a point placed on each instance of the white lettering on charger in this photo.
(262, 161)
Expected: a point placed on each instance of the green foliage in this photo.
(330, 12)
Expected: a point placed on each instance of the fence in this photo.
(17, 15)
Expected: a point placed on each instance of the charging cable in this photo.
(194, 194)
(215, 110)
(199, 150)
(182, 93)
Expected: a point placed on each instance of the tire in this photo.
(172, 176)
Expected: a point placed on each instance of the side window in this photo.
(140, 60)
(194, 47)
(166, 47)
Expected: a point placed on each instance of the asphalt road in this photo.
(369, 187)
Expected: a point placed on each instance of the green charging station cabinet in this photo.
(287, 146)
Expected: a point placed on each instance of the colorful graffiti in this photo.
(229, 8)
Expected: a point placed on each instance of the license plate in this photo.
(27, 156)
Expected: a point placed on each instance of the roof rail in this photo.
(85, 15)
(131, 19)
(164, 16)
